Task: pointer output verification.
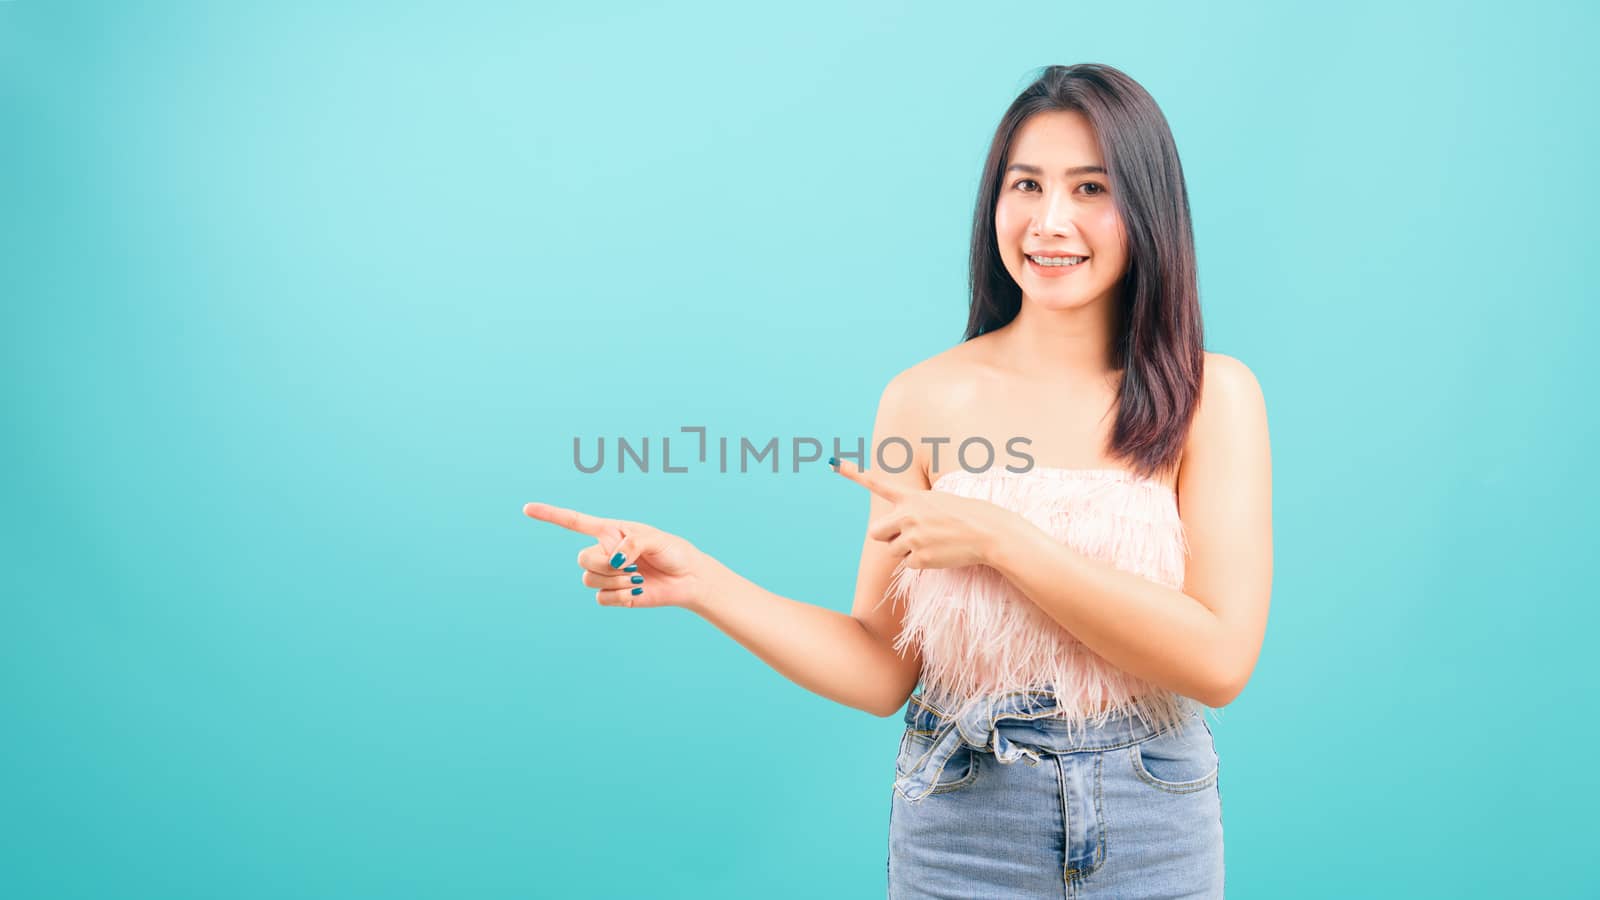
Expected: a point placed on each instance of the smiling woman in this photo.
(1130, 587)
(1076, 615)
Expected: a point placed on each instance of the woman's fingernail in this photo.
(638, 591)
(631, 569)
(833, 462)
(638, 579)
(616, 561)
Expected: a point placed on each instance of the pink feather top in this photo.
(980, 636)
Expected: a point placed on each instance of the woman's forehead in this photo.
(1055, 140)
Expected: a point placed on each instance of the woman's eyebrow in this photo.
(1075, 170)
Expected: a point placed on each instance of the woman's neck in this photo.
(1071, 345)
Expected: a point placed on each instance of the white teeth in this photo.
(1058, 260)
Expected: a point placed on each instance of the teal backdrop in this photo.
(304, 301)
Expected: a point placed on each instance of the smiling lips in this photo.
(1055, 271)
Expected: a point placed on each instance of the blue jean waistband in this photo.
(1021, 724)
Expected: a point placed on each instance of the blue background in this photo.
(303, 303)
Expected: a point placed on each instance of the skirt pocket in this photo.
(1179, 760)
(960, 770)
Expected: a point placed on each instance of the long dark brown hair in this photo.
(1157, 341)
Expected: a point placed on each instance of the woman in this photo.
(1065, 615)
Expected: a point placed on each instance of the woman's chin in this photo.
(1056, 302)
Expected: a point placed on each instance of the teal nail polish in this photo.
(638, 591)
(616, 561)
(833, 462)
(638, 579)
(631, 569)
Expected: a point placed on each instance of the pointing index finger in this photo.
(569, 519)
(869, 480)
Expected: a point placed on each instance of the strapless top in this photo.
(981, 637)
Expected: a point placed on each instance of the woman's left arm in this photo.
(1203, 641)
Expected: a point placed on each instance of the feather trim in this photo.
(979, 635)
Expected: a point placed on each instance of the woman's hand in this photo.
(935, 530)
(631, 563)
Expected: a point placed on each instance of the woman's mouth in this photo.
(1053, 266)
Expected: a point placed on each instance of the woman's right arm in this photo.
(846, 658)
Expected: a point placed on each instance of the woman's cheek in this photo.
(1007, 226)
(1009, 236)
(1107, 226)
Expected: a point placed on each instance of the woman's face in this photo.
(1055, 200)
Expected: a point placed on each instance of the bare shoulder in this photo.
(1231, 417)
(1228, 381)
(938, 381)
(923, 398)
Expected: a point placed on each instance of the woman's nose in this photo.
(1056, 217)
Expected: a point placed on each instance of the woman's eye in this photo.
(1098, 188)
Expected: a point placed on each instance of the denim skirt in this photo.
(998, 800)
